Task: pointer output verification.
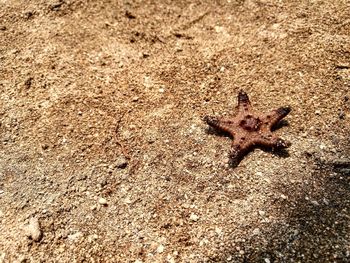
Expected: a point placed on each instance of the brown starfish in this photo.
(250, 129)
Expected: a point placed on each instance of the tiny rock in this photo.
(267, 180)
(74, 237)
(160, 249)
(345, 171)
(151, 136)
(218, 230)
(341, 115)
(121, 162)
(102, 201)
(33, 230)
(194, 217)
(341, 162)
(284, 196)
(170, 259)
(262, 213)
(256, 231)
(315, 203)
(325, 201)
(322, 146)
(127, 200)
(219, 29)
(92, 238)
(178, 48)
(203, 242)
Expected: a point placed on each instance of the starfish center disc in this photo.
(250, 123)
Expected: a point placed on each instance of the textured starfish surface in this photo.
(250, 129)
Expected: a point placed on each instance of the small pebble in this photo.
(93, 237)
(127, 200)
(102, 201)
(314, 202)
(322, 146)
(267, 180)
(345, 171)
(341, 115)
(170, 259)
(151, 136)
(203, 242)
(256, 231)
(325, 201)
(218, 230)
(262, 213)
(178, 48)
(33, 230)
(134, 99)
(194, 217)
(75, 236)
(160, 249)
(284, 197)
(341, 162)
(219, 29)
(121, 162)
(267, 260)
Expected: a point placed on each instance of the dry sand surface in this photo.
(104, 155)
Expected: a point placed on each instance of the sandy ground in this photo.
(104, 156)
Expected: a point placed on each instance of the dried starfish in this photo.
(250, 129)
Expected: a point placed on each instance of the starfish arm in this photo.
(275, 116)
(239, 148)
(220, 124)
(272, 142)
(236, 153)
(243, 102)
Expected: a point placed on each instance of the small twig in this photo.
(179, 31)
(194, 21)
(122, 147)
(342, 66)
(182, 35)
